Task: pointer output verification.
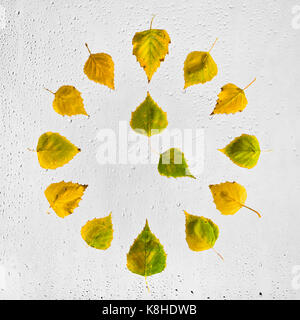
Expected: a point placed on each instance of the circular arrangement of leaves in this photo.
(146, 256)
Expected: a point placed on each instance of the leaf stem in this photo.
(259, 215)
(152, 21)
(249, 84)
(31, 150)
(213, 45)
(243, 205)
(88, 48)
(150, 147)
(147, 285)
(49, 91)
(219, 254)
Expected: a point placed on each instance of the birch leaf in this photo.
(100, 68)
(54, 150)
(150, 48)
(244, 151)
(64, 197)
(148, 118)
(98, 233)
(232, 99)
(199, 67)
(68, 101)
(229, 197)
(201, 233)
(146, 255)
(173, 164)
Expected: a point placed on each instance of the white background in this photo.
(42, 45)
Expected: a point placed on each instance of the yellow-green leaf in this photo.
(201, 233)
(68, 101)
(98, 233)
(199, 67)
(173, 164)
(244, 151)
(100, 68)
(64, 197)
(150, 48)
(146, 255)
(229, 197)
(54, 150)
(148, 118)
(232, 99)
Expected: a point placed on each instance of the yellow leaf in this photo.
(150, 48)
(232, 99)
(98, 233)
(230, 197)
(199, 67)
(100, 68)
(201, 233)
(64, 197)
(68, 101)
(54, 150)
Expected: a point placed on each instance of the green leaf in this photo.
(54, 150)
(146, 256)
(98, 233)
(148, 118)
(173, 164)
(201, 233)
(243, 151)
